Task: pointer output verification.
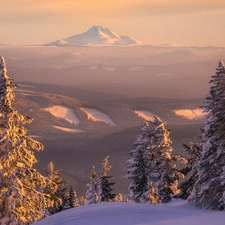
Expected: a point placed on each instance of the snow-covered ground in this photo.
(62, 112)
(145, 114)
(178, 212)
(191, 114)
(97, 116)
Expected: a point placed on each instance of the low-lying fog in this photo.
(135, 71)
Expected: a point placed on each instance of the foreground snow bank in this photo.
(176, 213)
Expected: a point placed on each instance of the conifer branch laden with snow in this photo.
(55, 188)
(21, 201)
(186, 184)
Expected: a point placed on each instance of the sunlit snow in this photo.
(97, 116)
(145, 114)
(177, 212)
(68, 129)
(62, 112)
(191, 114)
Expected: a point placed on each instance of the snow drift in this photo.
(176, 213)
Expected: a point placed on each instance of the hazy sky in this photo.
(185, 22)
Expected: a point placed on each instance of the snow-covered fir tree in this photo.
(21, 201)
(136, 168)
(76, 201)
(66, 201)
(73, 198)
(92, 192)
(209, 189)
(152, 168)
(82, 200)
(186, 184)
(70, 199)
(104, 185)
(56, 195)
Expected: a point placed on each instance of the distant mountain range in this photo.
(96, 35)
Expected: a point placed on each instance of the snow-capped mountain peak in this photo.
(96, 35)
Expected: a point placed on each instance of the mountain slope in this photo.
(96, 35)
(175, 213)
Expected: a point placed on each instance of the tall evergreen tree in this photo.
(209, 189)
(21, 200)
(104, 186)
(92, 194)
(152, 168)
(136, 168)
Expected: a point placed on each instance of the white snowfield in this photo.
(98, 116)
(145, 114)
(62, 112)
(68, 129)
(178, 212)
(191, 114)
